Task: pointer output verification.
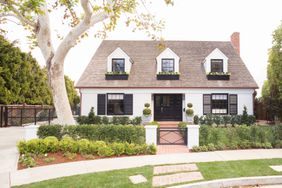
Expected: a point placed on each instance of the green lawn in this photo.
(119, 178)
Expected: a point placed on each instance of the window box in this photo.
(218, 76)
(168, 76)
(116, 76)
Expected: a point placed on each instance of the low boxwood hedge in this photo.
(107, 133)
(239, 137)
(68, 145)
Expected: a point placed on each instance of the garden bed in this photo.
(60, 157)
(50, 150)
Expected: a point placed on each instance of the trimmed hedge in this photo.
(239, 137)
(68, 145)
(107, 133)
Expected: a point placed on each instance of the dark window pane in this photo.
(115, 104)
(118, 65)
(167, 65)
(219, 104)
(216, 65)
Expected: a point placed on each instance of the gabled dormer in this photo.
(118, 65)
(216, 65)
(168, 65)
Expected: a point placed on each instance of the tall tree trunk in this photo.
(55, 68)
(59, 93)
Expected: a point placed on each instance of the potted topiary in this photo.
(189, 113)
(147, 114)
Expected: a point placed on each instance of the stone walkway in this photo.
(179, 174)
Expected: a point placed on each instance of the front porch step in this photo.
(168, 123)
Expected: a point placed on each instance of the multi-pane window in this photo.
(118, 65)
(115, 104)
(219, 104)
(216, 65)
(167, 65)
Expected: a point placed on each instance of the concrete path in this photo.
(68, 169)
(8, 152)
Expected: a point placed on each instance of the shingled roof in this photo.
(143, 71)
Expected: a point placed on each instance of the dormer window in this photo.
(118, 65)
(168, 65)
(216, 65)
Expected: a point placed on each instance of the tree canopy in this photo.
(272, 88)
(22, 80)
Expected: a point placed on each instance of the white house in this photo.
(124, 75)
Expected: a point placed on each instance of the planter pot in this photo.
(116, 76)
(218, 77)
(167, 77)
(189, 119)
(146, 119)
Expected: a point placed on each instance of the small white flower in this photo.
(46, 155)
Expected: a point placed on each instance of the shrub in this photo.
(27, 160)
(67, 144)
(136, 121)
(189, 105)
(189, 112)
(245, 116)
(182, 125)
(217, 120)
(84, 146)
(209, 119)
(118, 148)
(94, 146)
(105, 120)
(51, 143)
(50, 130)
(70, 155)
(108, 133)
(147, 112)
(130, 149)
(242, 137)
(196, 120)
(34, 146)
(226, 120)
(211, 147)
(278, 144)
(82, 120)
(220, 146)
(151, 149)
(147, 105)
(105, 151)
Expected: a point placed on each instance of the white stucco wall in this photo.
(142, 96)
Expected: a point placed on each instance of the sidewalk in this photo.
(36, 174)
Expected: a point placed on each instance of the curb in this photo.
(260, 180)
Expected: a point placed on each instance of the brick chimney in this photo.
(235, 41)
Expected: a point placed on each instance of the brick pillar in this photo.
(235, 41)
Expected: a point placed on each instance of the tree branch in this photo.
(17, 14)
(70, 40)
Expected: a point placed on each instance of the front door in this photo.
(168, 107)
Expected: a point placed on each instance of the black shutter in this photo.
(206, 104)
(128, 104)
(101, 101)
(233, 104)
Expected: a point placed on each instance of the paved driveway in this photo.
(8, 152)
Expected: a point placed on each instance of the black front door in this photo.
(168, 107)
